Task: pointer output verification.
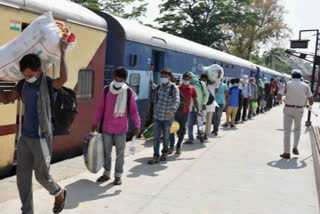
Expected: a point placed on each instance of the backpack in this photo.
(63, 108)
(211, 97)
(182, 98)
(106, 90)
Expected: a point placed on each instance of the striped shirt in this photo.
(166, 102)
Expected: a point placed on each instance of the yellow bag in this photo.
(174, 127)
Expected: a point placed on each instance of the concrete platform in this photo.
(238, 172)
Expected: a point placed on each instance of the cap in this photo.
(296, 71)
(245, 77)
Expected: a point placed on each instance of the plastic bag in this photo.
(215, 72)
(93, 152)
(41, 37)
(254, 105)
(133, 146)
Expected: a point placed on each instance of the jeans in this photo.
(244, 110)
(120, 142)
(217, 118)
(193, 118)
(160, 126)
(182, 120)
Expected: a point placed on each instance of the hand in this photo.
(199, 114)
(137, 132)
(204, 107)
(94, 128)
(63, 45)
(169, 116)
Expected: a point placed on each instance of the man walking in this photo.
(221, 98)
(189, 93)
(296, 92)
(116, 102)
(35, 143)
(167, 100)
(202, 99)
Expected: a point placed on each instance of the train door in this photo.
(158, 64)
(257, 76)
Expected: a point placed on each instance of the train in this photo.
(105, 42)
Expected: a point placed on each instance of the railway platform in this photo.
(238, 172)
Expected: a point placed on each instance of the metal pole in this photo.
(308, 122)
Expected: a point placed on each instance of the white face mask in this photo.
(32, 80)
(117, 84)
(185, 82)
(164, 80)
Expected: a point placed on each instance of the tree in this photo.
(269, 26)
(204, 21)
(117, 7)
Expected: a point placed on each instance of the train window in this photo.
(227, 66)
(85, 84)
(6, 86)
(24, 26)
(232, 66)
(133, 60)
(134, 82)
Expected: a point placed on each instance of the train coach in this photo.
(144, 51)
(86, 70)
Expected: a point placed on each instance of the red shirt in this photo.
(189, 93)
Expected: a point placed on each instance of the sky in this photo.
(301, 15)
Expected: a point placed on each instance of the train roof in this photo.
(137, 32)
(270, 71)
(61, 9)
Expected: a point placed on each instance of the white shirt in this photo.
(296, 92)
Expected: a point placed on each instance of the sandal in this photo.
(103, 178)
(153, 160)
(58, 207)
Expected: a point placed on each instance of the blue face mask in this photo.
(236, 84)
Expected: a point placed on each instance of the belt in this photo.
(293, 106)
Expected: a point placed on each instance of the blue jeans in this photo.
(182, 120)
(216, 120)
(160, 126)
(193, 119)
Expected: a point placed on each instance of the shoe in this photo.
(178, 152)
(295, 151)
(163, 157)
(103, 178)
(59, 203)
(117, 181)
(189, 142)
(285, 155)
(205, 137)
(170, 152)
(244, 120)
(154, 160)
(237, 122)
(215, 134)
(226, 125)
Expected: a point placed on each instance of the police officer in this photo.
(296, 92)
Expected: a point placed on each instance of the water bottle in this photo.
(200, 123)
(133, 147)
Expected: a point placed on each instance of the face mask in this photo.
(236, 84)
(185, 82)
(32, 80)
(117, 84)
(164, 80)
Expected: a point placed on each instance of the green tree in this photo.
(269, 26)
(117, 7)
(204, 21)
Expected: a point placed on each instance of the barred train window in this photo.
(134, 82)
(85, 84)
(6, 86)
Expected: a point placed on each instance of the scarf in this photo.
(44, 109)
(121, 102)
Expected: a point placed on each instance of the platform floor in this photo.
(238, 172)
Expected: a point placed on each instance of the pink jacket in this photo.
(112, 124)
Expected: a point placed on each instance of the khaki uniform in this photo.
(296, 93)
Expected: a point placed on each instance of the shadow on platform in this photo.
(86, 190)
(288, 164)
(145, 169)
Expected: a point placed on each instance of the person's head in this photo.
(165, 75)
(296, 74)
(236, 82)
(172, 78)
(204, 77)
(186, 78)
(271, 80)
(30, 67)
(251, 80)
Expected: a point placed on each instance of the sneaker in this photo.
(171, 150)
(295, 151)
(178, 152)
(103, 178)
(117, 181)
(163, 157)
(188, 142)
(285, 155)
(154, 160)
